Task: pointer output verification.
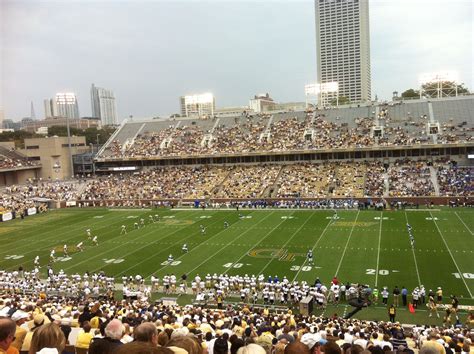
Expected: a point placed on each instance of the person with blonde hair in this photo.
(48, 339)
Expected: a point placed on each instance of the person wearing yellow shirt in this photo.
(84, 336)
(19, 317)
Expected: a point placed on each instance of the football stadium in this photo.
(339, 225)
(321, 216)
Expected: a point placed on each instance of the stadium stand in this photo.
(401, 123)
(11, 159)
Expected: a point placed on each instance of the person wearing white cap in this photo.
(19, 317)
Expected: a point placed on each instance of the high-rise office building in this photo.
(66, 105)
(343, 46)
(50, 108)
(103, 105)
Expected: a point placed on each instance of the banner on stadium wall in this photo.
(31, 211)
(70, 203)
(7, 216)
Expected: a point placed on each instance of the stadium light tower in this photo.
(67, 105)
(198, 105)
(438, 84)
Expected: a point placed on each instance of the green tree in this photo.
(447, 89)
(411, 93)
(92, 134)
(18, 137)
(341, 100)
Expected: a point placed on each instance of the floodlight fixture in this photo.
(440, 76)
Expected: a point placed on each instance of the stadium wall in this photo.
(18, 176)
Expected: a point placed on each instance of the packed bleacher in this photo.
(11, 159)
(410, 178)
(19, 198)
(309, 181)
(454, 180)
(42, 320)
(403, 124)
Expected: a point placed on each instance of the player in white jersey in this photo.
(124, 230)
(65, 250)
(170, 258)
(142, 222)
(136, 226)
(226, 224)
(79, 246)
(52, 258)
(150, 217)
(37, 262)
(89, 235)
(203, 229)
(94, 241)
(157, 218)
(185, 248)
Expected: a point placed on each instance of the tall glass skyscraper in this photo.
(343, 46)
(103, 105)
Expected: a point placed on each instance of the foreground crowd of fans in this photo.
(39, 322)
(45, 325)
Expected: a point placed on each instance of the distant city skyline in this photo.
(151, 53)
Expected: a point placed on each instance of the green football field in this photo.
(370, 247)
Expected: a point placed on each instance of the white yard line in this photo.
(467, 228)
(347, 243)
(51, 239)
(184, 254)
(123, 255)
(289, 239)
(141, 236)
(414, 257)
(230, 244)
(312, 249)
(452, 257)
(378, 250)
(72, 239)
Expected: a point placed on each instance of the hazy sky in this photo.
(152, 52)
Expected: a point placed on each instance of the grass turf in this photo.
(370, 247)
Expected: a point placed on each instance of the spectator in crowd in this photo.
(146, 332)
(187, 343)
(48, 339)
(19, 317)
(142, 348)
(110, 343)
(38, 321)
(7, 334)
(84, 336)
